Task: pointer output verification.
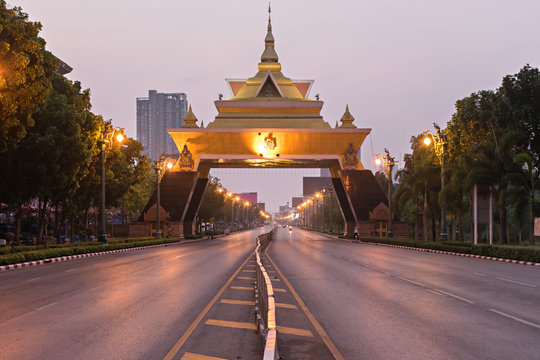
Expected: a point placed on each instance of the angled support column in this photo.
(345, 205)
(194, 203)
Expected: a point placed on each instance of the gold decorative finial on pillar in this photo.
(190, 119)
(347, 119)
(269, 54)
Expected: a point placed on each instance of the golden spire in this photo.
(269, 54)
(190, 119)
(347, 119)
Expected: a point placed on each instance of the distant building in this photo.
(284, 210)
(250, 196)
(325, 172)
(313, 184)
(297, 200)
(155, 114)
(261, 206)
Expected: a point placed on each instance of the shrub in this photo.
(32, 253)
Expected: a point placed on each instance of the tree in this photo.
(56, 149)
(25, 68)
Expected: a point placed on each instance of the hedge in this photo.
(41, 254)
(520, 253)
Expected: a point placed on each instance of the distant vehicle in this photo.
(290, 228)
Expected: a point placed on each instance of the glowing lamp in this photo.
(378, 161)
(169, 165)
(427, 141)
(120, 137)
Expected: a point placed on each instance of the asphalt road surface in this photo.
(363, 302)
(378, 302)
(132, 305)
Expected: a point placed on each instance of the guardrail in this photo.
(264, 295)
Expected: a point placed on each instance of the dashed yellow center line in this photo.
(286, 306)
(172, 353)
(246, 278)
(248, 270)
(324, 336)
(231, 324)
(294, 331)
(192, 356)
(242, 288)
(237, 302)
(279, 290)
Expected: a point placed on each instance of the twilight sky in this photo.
(400, 65)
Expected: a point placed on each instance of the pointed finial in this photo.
(347, 119)
(190, 119)
(202, 124)
(269, 54)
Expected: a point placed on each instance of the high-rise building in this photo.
(155, 114)
(325, 172)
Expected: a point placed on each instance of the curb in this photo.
(529, 263)
(80, 256)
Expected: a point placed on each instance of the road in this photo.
(378, 302)
(184, 301)
(132, 305)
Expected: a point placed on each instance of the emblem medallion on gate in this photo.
(270, 142)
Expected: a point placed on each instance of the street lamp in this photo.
(440, 145)
(388, 164)
(310, 213)
(161, 165)
(317, 197)
(107, 137)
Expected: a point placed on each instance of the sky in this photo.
(400, 65)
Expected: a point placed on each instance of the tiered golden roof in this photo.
(269, 99)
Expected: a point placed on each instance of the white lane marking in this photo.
(46, 306)
(95, 288)
(33, 279)
(516, 318)
(515, 282)
(479, 274)
(455, 296)
(70, 270)
(410, 281)
(435, 292)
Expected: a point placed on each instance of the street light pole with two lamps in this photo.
(440, 144)
(107, 137)
(160, 165)
(387, 163)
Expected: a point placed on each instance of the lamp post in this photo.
(310, 213)
(317, 197)
(388, 164)
(159, 166)
(107, 137)
(440, 144)
(331, 218)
